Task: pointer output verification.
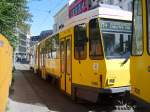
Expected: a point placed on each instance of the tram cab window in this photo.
(116, 38)
(80, 42)
(137, 41)
(148, 12)
(116, 45)
(95, 46)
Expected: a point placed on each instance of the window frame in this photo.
(79, 58)
(147, 28)
(133, 30)
(92, 57)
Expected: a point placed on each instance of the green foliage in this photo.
(14, 15)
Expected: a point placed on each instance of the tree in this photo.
(14, 15)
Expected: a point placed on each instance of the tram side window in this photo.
(49, 47)
(148, 11)
(95, 46)
(80, 42)
(137, 41)
(52, 47)
(55, 47)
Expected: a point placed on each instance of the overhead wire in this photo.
(54, 8)
(51, 11)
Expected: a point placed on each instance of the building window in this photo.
(80, 7)
(76, 10)
(137, 41)
(80, 42)
(95, 46)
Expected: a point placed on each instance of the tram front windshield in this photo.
(116, 38)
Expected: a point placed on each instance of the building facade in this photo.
(43, 35)
(79, 6)
(22, 49)
(34, 40)
(60, 18)
(124, 4)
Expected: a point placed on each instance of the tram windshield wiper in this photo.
(126, 60)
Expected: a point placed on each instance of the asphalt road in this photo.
(32, 90)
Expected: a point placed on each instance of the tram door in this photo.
(65, 55)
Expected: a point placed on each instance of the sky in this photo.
(43, 12)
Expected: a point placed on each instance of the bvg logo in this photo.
(1, 43)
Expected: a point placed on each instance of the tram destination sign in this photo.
(116, 26)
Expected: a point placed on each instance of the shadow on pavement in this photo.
(30, 89)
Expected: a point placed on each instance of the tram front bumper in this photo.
(115, 90)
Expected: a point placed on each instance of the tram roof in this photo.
(103, 11)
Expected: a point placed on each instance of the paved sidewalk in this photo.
(19, 66)
(24, 99)
(22, 107)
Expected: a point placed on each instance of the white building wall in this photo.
(124, 4)
(60, 18)
(23, 45)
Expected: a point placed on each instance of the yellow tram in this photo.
(5, 71)
(89, 55)
(140, 65)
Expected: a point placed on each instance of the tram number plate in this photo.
(95, 67)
